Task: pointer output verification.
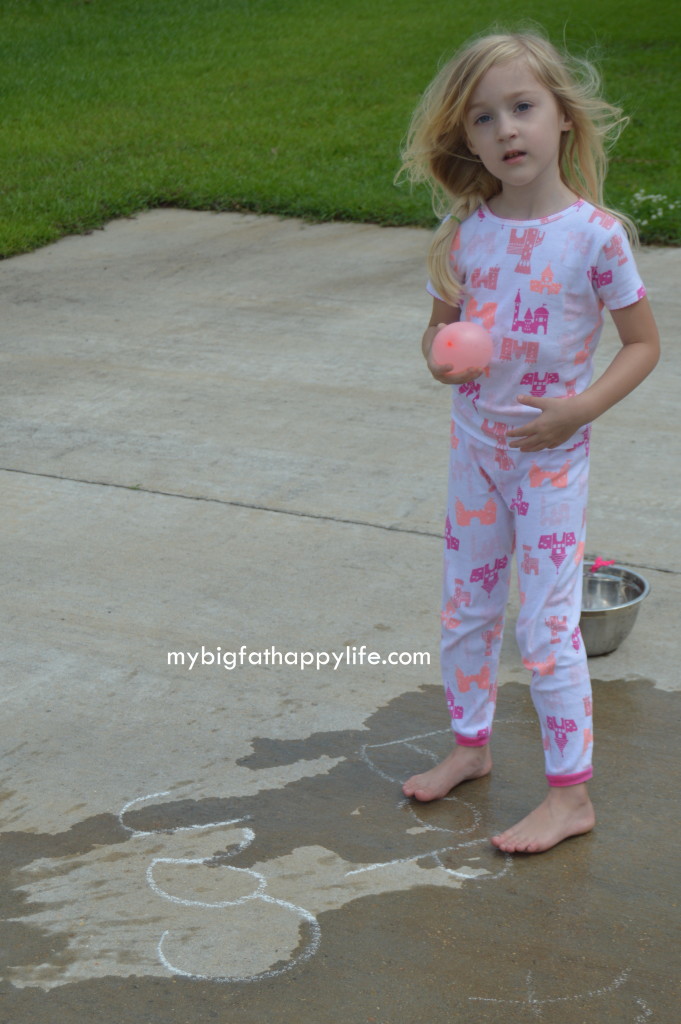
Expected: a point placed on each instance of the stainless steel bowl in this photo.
(611, 598)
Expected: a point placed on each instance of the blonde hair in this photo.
(437, 149)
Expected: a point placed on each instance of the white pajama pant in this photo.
(500, 501)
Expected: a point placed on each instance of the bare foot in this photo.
(566, 811)
(461, 764)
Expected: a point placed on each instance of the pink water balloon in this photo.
(463, 346)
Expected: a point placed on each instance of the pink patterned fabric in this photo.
(542, 517)
(539, 288)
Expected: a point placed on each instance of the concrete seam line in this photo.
(276, 511)
(223, 501)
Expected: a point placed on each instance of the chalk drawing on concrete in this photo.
(257, 894)
(184, 909)
(414, 743)
(136, 834)
(465, 872)
(535, 1007)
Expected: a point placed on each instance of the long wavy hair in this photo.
(436, 149)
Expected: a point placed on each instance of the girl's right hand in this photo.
(444, 372)
(446, 375)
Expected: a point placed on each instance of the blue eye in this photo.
(483, 119)
(522, 107)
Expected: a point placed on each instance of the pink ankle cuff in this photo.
(570, 780)
(481, 740)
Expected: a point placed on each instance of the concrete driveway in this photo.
(223, 469)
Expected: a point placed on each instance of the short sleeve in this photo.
(615, 277)
(431, 291)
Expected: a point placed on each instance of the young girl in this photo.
(511, 134)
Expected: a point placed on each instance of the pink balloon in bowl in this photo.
(462, 345)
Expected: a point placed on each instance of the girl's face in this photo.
(514, 124)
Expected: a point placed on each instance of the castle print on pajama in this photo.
(539, 288)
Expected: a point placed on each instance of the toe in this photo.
(509, 842)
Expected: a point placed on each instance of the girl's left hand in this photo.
(559, 419)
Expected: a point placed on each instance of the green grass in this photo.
(294, 107)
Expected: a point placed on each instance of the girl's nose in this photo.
(506, 128)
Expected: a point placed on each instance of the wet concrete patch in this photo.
(417, 917)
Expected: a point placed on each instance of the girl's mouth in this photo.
(513, 155)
